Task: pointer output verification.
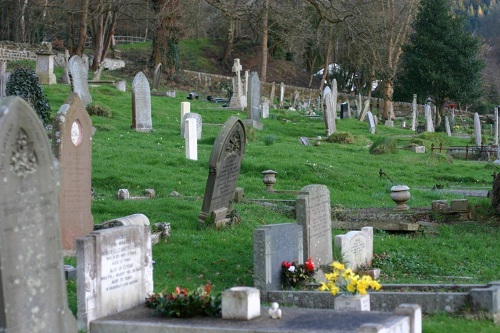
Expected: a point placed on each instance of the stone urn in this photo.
(400, 194)
(269, 179)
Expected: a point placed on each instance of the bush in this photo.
(98, 110)
(24, 83)
(383, 146)
(269, 139)
(341, 137)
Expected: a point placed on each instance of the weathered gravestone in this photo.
(273, 244)
(329, 114)
(72, 146)
(65, 75)
(3, 79)
(114, 271)
(414, 113)
(477, 130)
(314, 214)
(32, 287)
(45, 64)
(157, 77)
(371, 122)
(199, 123)
(238, 100)
(265, 108)
(79, 77)
(191, 141)
(447, 126)
(224, 168)
(141, 104)
(356, 248)
(253, 110)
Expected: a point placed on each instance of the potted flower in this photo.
(350, 287)
(294, 274)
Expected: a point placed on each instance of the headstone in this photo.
(335, 97)
(477, 130)
(191, 140)
(121, 85)
(495, 126)
(265, 108)
(3, 81)
(79, 77)
(246, 84)
(238, 100)
(72, 146)
(273, 244)
(45, 65)
(253, 112)
(359, 106)
(33, 294)
(313, 209)
(414, 113)
(371, 122)
(356, 248)
(199, 123)
(282, 94)
(344, 110)
(65, 75)
(224, 168)
(157, 77)
(271, 97)
(389, 123)
(114, 271)
(365, 111)
(185, 108)
(429, 123)
(304, 141)
(447, 126)
(329, 114)
(141, 104)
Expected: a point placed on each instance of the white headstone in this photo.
(199, 123)
(3, 81)
(265, 108)
(141, 104)
(356, 248)
(477, 130)
(414, 113)
(121, 85)
(447, 126)
(495, 124)
(185, 108)
(282, 94)
(238, 100)
(191, 141)
(429, 123)
(371, 122)
(329, 112)
(79, 77)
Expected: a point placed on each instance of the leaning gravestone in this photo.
(157, 77)
(141, 104)
(371, 122)
(314, 214)
(224, 168)
(79, 77)
(32, 287)
(72, 146)
(356, 248)
(273, 244)
(115, 271)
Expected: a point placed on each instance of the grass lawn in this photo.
(123, 158)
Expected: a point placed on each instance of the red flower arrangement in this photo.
(294, 274)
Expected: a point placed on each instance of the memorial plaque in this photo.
(224, 167)
(115, 271)
(72, 146)
(32, 287)
(314, 214)
(141, 104)
(273, 244)
(356, 248)
(79, 77)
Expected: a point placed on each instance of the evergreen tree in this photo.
(441, 59)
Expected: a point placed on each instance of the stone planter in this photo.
(269, 179)
(400, 194)
(352, 302)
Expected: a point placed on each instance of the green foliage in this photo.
(384, 145)
(24, 83)
(270, 139)
(294, 274)
(441, 59)
(186, 304)
(341, 137)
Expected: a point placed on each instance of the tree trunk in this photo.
(23, 21)
(328, 55)
(263, 69)
(229, 44)
(388, 103)
(83, 28)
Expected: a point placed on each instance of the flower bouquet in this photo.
(185, 304)
(294, 274)
(345, 281)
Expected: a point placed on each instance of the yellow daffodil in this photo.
(338, 266)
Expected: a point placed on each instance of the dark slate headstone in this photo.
(253, 108)
(224, 168)
(273, 244)
(141, 104)
(79, 79)
(32, 285)
(72, 146)
(314, 214)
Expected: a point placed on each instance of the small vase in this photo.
(400, 194)
(352, 302)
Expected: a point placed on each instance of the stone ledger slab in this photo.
(114, 271)
(33, 294)
(294, 320)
